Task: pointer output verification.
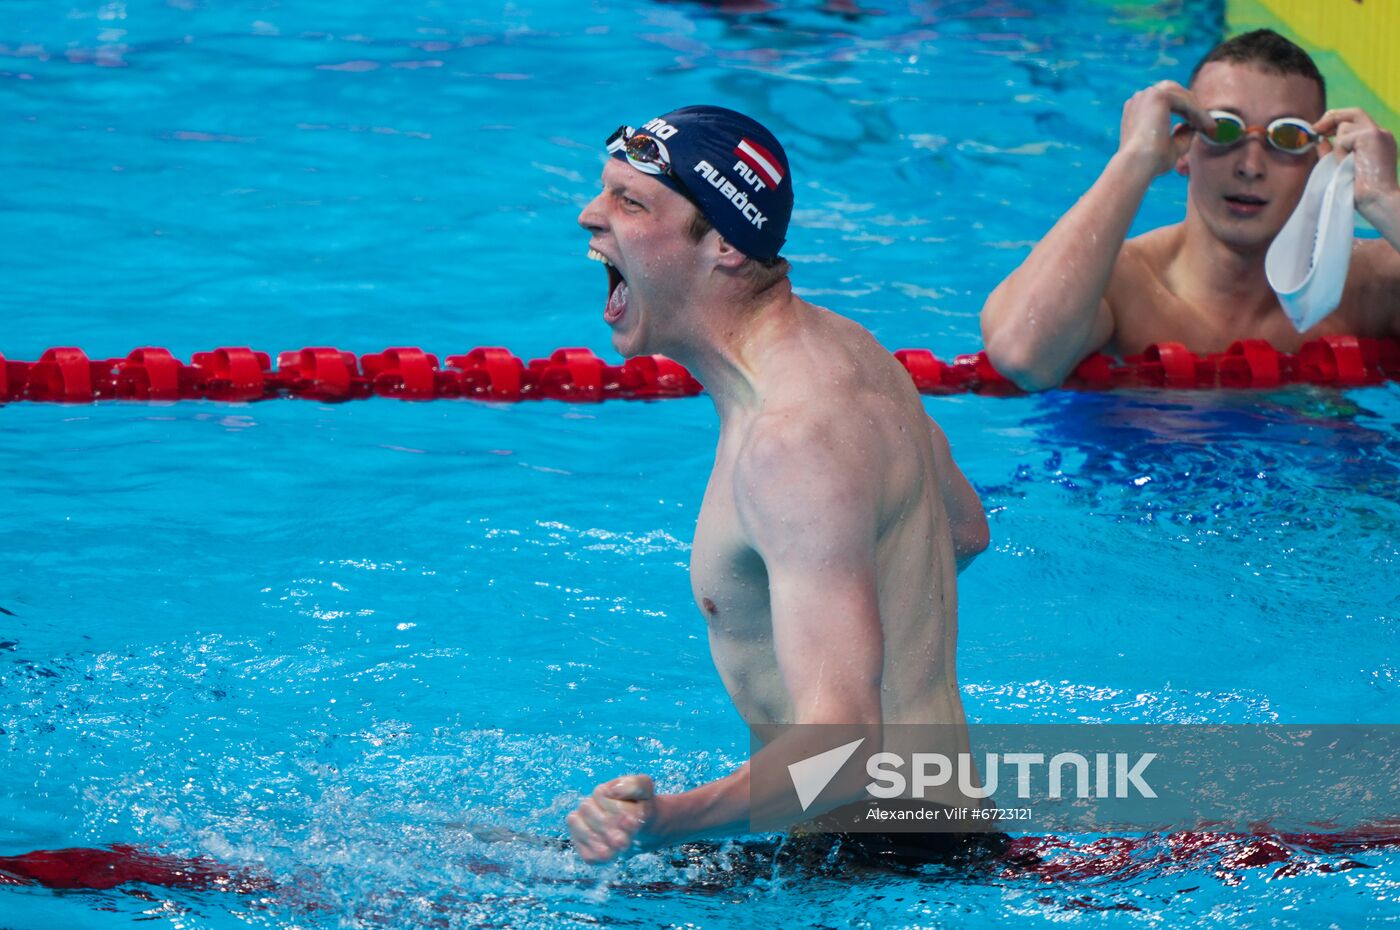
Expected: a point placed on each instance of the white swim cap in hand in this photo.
(1307, 262)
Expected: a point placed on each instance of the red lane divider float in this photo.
(327, 374)
(1054, 859)
(99, 869)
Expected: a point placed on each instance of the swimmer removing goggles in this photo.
(1289, 134)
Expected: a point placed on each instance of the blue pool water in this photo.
(330, 644)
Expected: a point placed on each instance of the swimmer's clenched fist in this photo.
(608, 822)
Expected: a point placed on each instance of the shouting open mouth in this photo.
(617, 288)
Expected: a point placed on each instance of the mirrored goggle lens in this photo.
(1229, 129)
(1291, 137)
(644, 152)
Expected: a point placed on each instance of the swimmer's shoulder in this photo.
(840, 359)
(830, 389)
(793, 450)
(1143, 261)
(1137, 291)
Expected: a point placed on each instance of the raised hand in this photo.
(1353, 130)
(1146, 131)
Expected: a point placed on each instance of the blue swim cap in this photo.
(733, 169)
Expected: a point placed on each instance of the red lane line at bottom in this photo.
(1048, 858)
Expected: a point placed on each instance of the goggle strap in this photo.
(618, 139)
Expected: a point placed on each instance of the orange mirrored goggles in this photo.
(1290, 134)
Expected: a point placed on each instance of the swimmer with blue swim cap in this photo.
(835, 522)
(1254, 130)
(730, 167)
(731, 172)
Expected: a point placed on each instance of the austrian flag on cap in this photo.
(761, 160)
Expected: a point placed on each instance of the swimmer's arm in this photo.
(1051, 311)
(1383, 304)
(1377, 190)
(808, 498)
(966, 518)
(1382, 210)
(1385, 217)
(1385, 262)
(1377, 187)
(1375, 268)
(808, 506)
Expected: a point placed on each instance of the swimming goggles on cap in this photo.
(648, 154)
(1287, 134)
(643, 152)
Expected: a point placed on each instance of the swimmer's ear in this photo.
(727, 256)
(1182, 138)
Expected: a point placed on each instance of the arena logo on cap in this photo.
(660, 128)
(760, 160)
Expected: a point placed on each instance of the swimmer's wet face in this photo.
(640, 232)
(686, 194)
(1245, 190)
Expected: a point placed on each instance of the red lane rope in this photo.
(327, 374)
(100, 869)
(1051, 859)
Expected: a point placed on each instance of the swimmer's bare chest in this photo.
(1213, 329)
(730, 585)
(1146, 311)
